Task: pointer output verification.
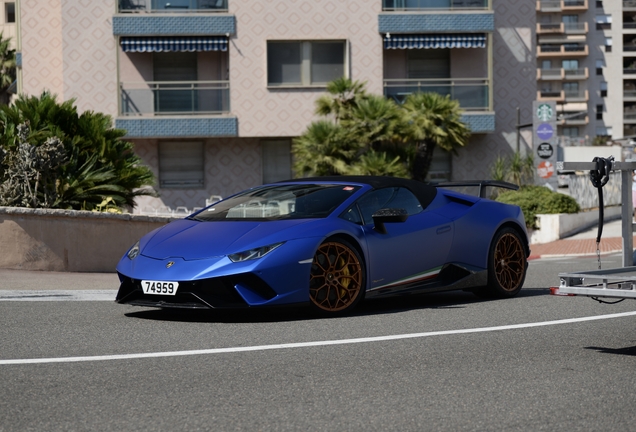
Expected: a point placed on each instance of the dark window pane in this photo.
(283, 63)
(327, 61)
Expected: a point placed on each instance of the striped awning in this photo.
(432, 41)
(174, 43)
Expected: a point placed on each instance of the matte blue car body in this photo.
(453, 228)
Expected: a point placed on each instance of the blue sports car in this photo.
(329, 242)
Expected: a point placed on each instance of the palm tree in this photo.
(325, 148)
(7, 66)
(432, 120)
(342, 96)
(99, 164)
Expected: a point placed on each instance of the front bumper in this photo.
(236, 291)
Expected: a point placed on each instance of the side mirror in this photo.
(388, 215)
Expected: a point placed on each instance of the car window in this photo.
(275, 202)
(394, 197)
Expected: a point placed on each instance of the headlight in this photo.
(133, 252)
(253, 253)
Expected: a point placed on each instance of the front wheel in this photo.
(336, 283)
(507, 264)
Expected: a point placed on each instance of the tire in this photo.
(337, 279)
(507, 265)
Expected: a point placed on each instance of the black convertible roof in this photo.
(424, 192)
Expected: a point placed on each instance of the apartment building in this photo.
(212, 92)
(586, 62)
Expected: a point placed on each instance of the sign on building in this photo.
(544, 139)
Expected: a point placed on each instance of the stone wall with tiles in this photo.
(69, 240)
(514, 85)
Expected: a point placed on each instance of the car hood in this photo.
(193, 240)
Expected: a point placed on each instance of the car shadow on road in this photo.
(630, 351)
(370, 307)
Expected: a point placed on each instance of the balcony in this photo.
(562, 74)
(551, 95)
(576, 95)
(561, 5)
(565, 50)
(157, 98)
(561, 28)
(629, 115)
(629, 4)
(563, 96)
(171, 6)
(422, 5)
(472, 93)
(579, 119)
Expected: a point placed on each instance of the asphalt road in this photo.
(443, 362)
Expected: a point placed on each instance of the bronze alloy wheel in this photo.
(509, 262)
(336, 277)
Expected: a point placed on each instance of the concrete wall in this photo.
(67, 240)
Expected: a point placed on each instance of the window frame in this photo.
(162, 182)
(306, 62)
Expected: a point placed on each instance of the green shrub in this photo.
(535, 200)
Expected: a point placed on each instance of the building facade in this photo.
(212, 92)
(586, 62)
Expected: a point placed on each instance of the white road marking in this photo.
(58, 295)
(309, 344)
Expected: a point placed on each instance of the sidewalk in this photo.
(582, 244)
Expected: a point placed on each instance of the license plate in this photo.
(159, 287)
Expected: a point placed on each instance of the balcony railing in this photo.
(552, 95)
(629, 115)
(175, 98)
(629, 4)
(560, 74)
(180, 6)
(562, 50)
(413, 5)
(472, 93)
(561, 5)
(563, 95)
(574, 119)
(557, 28)
(576, 95)
(629, 93)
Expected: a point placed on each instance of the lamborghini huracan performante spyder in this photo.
(329, 242)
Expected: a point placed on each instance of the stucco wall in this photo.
(66, 240)
(267, 112)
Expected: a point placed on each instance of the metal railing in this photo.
(126, 6)
(559, 74)
(575, 73)
(472, 93)
(411, 5)
(176, 98)
(558, 5)
(562, 49)
(575, 119)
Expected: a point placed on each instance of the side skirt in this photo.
(451, 277)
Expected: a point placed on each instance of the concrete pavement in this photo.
(583, 244)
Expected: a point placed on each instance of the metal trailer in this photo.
(614, 283)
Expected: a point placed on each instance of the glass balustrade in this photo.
(175, 98)
(172, 6)
(472, 93)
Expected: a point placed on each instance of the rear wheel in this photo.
(337, 278)
(507, 265)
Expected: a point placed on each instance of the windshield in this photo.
(279, 202)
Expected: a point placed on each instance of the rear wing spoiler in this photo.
(482, 184)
